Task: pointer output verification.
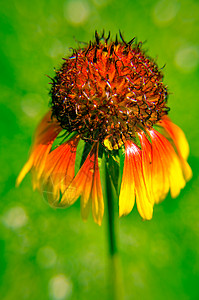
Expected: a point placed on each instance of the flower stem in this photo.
(115, 268)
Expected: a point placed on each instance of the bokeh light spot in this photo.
(165, 11)
(60, 287)
(76, 12)
(56, 49)
(187, 58)
(46, 257)
(15, 217)
(31, 104)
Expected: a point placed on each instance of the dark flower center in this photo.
(108, 91)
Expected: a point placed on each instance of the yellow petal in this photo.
(26, 168)
(127, 190)
(186, 170)
(171, 167)
(147, 164)
(160, 178)
(181, 144)
(177, 136)
(136, 177)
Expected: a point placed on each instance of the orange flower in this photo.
(110, 97)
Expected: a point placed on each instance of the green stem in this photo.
(111, 220)
(115, 269)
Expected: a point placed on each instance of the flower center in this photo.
(107, 92)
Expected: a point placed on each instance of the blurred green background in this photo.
(52, 254)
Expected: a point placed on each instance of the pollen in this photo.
(108, 91)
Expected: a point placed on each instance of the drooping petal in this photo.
(133, 174)
(166, 168)
(159, 179)
(59, 169)
(177, 136)
(45, 135)
(87, 185)
(82, 183)
(186, 170)
(180, 142)
(127, 190)
(147, 163)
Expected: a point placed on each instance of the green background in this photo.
(52, 254)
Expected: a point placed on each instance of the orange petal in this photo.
(159, 179)
(87, 185)
(177, 136)
(45, 135)
(166, 167)
(181, 144)
(134, 175)
(147, 163)
(59, 169)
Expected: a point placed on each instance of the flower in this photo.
(109, 97)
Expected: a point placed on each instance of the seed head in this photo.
(108, 91)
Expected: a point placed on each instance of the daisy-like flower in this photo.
(110, 97)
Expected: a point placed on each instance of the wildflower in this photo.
(110, 96)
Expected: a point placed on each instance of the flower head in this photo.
(110, 96)
(107, 92)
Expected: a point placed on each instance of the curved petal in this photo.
(177, 136)
(59, 169)
(45, 135)
(127, 190)
(180, 142)
(159, 179)
(166, 168)
(87, 185)
(133, 175)
(147, 163)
